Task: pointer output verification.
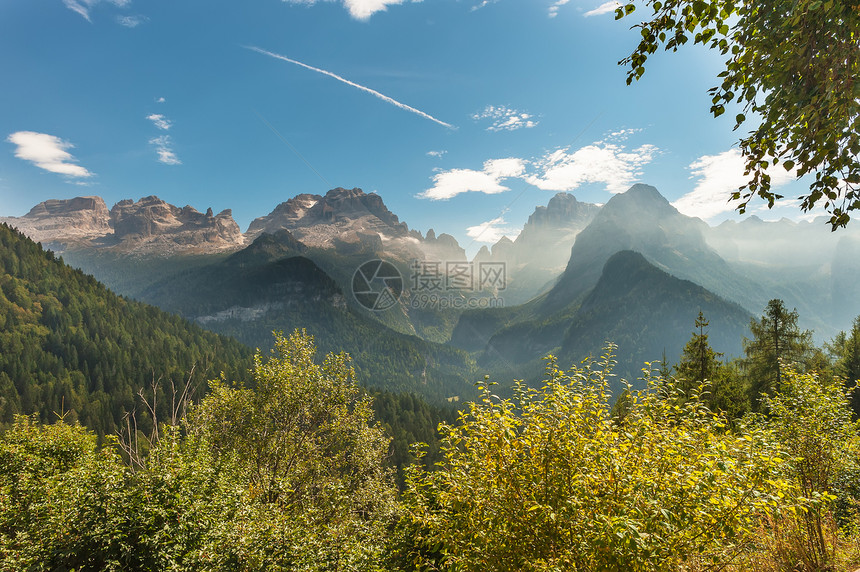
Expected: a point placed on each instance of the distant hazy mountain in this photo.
(646, 311)
(634, 304)
(641, 219)
(149, 225)
(804, 263)
(581, 300)
(549, 234)
(541, 251)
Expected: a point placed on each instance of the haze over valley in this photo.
(570, 281)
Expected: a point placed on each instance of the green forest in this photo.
(70, 349)
(133, 440)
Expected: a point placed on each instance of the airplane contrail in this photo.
(381, 96)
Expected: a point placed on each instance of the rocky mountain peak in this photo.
(638, 201)
(152, 220)
(483, 255)
(562, 209)
(640, 219)
(347, 220)
(147, 225)
(442, 247)
(58, 207)
(55, 221)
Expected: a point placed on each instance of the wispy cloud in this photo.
(451, 183)
(719, 176)
(553, 9)
(131, 21)
(358, 9)
(436, 154)
(83, 7)
(164, 147)
(160, 100)
(160, 121)
(491, 231)
(505, 119)
(601, 162)
(373, 92)
(482, 4)
(604, 8)
(47, 152)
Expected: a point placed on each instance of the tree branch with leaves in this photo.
(790, 64)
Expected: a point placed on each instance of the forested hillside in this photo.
(70, 346)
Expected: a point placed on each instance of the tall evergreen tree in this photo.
(699, 361)
(776, 337)
(727, 392)
(845, 352)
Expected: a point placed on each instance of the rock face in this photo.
(443, 247)
(149, 225)
(348, 221)
(351, 221)
(316, 219)
(80, 220)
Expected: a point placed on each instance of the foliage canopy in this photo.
(552, 481)
(288, 475)
(793, 65)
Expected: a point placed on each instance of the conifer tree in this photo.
(845, 351)
(699, 361)
(777, 341)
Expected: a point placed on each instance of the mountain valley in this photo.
(572, 282)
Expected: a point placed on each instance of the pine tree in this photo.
(777, 341)
(845, 352)
(665, 370)
(699, 362)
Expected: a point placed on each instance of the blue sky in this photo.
(462, 114)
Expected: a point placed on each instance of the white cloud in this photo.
(47, 152)
(719, 176)
(491, 231)
(604, 8)
(83, 7)
(553, 10)
(164, 147)
(607, 161)
(131, 21)
(620, 136)
(160, 121)
(364, 9)
(600, 162)
(373, 92)
(160, 100)
(451, 183)
(358, 9)
(436, 154)
(482, 4)
(505, 119)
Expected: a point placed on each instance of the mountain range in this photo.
(634, 271)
